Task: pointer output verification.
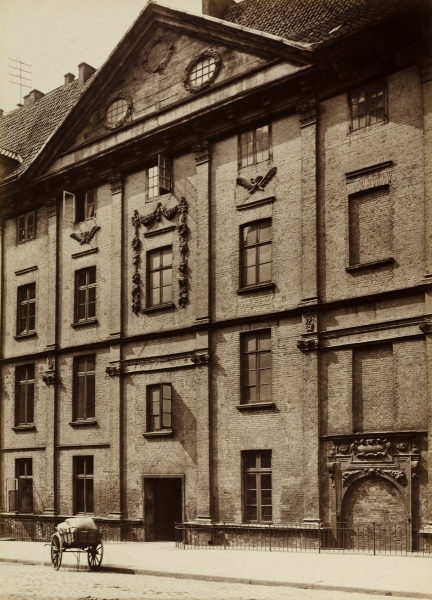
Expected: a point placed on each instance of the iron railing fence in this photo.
(361, 538)
(41, 530)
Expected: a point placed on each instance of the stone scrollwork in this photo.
(86, 236)
(200, 359)
(49, 378)
(426, 326)
(115, 182)
(182, 230)
(309, 318)
(395, 474)
(158, 54)
(370, 448)
(306, 345)
(113, 370)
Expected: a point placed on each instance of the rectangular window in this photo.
(256, 239)
(83, 484)
(24, 394)
(159, 178)
(85, 294)
(26, 227)
(159, 271)
(367, 105)
(80, 206)
(256, 366)
(24, 475)
(255, 146)
(257, 486)
(159, 400)
(26, 308)
(84, 387)
(370, 226)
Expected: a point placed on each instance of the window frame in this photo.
(160, 269)
(25, 383)
(243, 249)
(258, 353)
(80, 204)
(258, 471)
(85, 409)
(28, 301)
(26, 227)
(254, 144)
(23, 481)
(163, 177)
(88, 490)
(87, 287)
(150, 427)
(367, 87)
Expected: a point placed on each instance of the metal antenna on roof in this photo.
(18, 67)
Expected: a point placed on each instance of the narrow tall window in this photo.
(85, 294)
(159, 268)
(256, 240)
(257, 486)
(26, 227)
(159, 407)
(24, 475)
(26, 308)
(159, 178)
(24, 395)
(256, 366)
(255, 146)
(83, 484)
(80, 206)
(367, 105)
(84, 387)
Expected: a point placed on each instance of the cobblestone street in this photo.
(21, 582)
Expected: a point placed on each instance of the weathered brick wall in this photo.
(401, 141)
(280, 429)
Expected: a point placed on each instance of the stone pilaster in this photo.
(116, 431)
(116, 186)
(202, 361)
(307, 112)
(51, 276)
(202, 159)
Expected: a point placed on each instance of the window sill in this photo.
(256, 288)
(256, 406)
(161, 433)
(27, 427)
(373, 263)
(158, 307)
(83, 423)
(84, 323)
(21, 336)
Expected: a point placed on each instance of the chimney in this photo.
(216, 8)
(69, 77)
(32, 97)
(1, 112)
(84, 72)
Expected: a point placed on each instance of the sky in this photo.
(55, 36)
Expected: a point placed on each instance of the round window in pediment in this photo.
(117, 111)
(202, 71)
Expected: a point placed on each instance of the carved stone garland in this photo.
(182, 229)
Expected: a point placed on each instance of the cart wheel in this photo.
(56, 552)
(94, 556)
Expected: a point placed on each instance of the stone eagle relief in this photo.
(258, 183)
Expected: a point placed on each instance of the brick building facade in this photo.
(216, 274)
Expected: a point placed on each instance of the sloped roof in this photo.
(312, 21)
(25, 130)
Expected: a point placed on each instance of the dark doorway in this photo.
(162, 507)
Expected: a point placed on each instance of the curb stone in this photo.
(222, 578)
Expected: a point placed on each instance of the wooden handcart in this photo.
(78, 535)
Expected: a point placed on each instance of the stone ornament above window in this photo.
(202, 71)
(158, 54)
(116, 111)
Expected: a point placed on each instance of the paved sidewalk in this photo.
(383, 575)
